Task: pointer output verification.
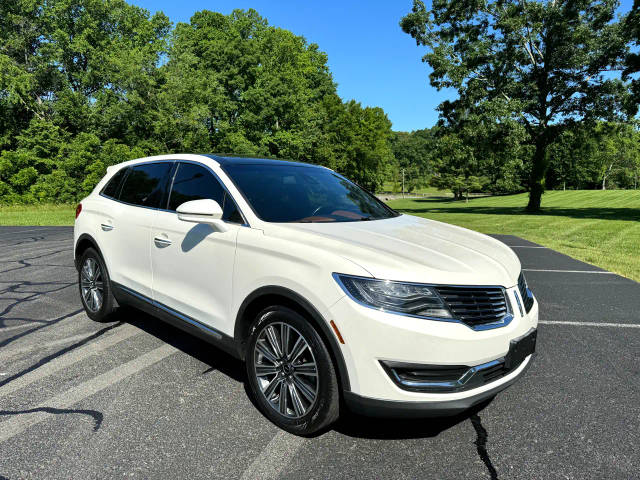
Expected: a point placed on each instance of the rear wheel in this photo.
(290, 372)
(95, 286)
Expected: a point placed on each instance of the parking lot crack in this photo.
(481, 445)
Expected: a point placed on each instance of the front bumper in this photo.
(376, 407)
(373, 337)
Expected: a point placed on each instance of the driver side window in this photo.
(194, 182)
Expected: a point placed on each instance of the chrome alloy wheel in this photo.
(92, 285)
(286, 370)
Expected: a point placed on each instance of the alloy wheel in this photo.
(286, 370)
(92, 285)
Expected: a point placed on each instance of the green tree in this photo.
(457, 167)
(412, 152)
(632, 60)
(360, 140)
(236, 84)
(66, 60)
(542, 63)
(566, 156)
(618, 152)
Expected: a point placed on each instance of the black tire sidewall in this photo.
(107, 301)
(325, 410)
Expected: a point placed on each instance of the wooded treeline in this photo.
(88, 83)
(85, 84)
(495, 158)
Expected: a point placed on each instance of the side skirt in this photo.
(126, 296)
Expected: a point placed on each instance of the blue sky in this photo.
(372, 60)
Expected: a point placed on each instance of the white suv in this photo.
(329, 296)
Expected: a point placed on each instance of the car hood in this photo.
(412, 249)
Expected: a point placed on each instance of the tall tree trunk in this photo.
(605, 175)
(538, 172)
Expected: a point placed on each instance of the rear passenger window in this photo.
(111, 189)
(145, 184)
(194, 182)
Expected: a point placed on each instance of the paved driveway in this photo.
(139, 399)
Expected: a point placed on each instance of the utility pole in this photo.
(403, 183)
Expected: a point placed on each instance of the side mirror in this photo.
(201, 211)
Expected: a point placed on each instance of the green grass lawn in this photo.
(598, 227)
(44, 214)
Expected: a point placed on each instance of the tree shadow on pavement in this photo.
(208, 354)
(97, 416)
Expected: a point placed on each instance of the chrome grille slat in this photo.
(475, 305)
(527, 298)
(470, 304)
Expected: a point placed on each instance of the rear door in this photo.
(193, 263)
(125, 226)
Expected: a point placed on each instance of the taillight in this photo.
(78, 209)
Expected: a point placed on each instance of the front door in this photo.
(193, 263)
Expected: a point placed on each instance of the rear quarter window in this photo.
(111, 190)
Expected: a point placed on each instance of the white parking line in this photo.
(568, 271)
(274, 457)
(68, 359)
(15, 425)
(6, 354)
(590, 324)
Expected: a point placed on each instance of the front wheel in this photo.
(290, 372)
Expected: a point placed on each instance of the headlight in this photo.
(397, 297)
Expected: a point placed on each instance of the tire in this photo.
(300, 402)
(94, 284)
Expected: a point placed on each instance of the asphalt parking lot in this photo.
(139, 399)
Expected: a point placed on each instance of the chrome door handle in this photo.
(161, 241)
(106, 227)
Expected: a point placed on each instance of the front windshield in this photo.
(291, 193)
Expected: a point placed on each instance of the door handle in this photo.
(161, 241)
(106, 227)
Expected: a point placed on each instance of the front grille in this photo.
(475, 306)
(525, 293)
